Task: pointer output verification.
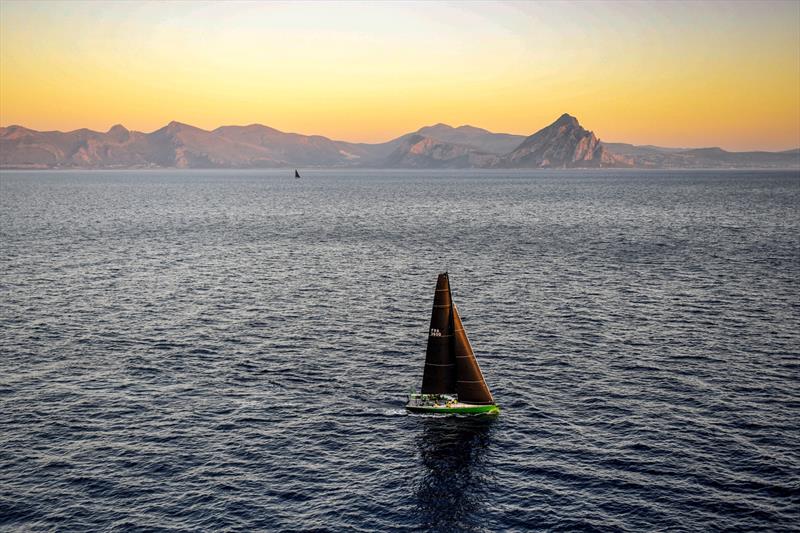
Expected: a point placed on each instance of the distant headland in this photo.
(562, 144)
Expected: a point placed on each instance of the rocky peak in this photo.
(566, 120)
(175, 130)
(471, 129)
(564, 143)
(119, 133)
(15, 132)
(439, 128)
(175, 126)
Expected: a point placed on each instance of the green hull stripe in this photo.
(476, 409)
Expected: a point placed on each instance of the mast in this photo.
(439, 376)
(470, 384)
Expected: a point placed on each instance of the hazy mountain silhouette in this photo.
(478, 138)
(562, 144)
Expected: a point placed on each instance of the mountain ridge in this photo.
(561, 144)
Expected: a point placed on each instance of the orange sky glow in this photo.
(685, 74)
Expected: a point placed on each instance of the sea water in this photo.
(198, 350)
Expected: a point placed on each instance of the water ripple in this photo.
(229, 350)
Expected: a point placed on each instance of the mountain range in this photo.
(562, 144)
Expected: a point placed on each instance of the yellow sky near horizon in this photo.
(670, 73)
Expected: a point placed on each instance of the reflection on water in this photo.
(451, 490)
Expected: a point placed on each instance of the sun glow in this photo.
(674, 74)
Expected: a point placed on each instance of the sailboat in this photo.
(296, 174)
(452, 382)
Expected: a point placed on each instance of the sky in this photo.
(683, 74)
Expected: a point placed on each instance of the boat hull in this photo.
(456, 410)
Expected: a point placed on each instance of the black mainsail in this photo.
(296, 173)
(439, 375)
(450, 364)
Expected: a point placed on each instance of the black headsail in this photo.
(470, 385)
(439, 376)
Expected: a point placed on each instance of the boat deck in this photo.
(428, 403)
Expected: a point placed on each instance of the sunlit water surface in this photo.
(196, 350)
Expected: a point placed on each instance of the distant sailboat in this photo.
(296, 174)
(452, 382)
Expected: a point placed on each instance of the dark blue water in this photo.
(206, 350)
